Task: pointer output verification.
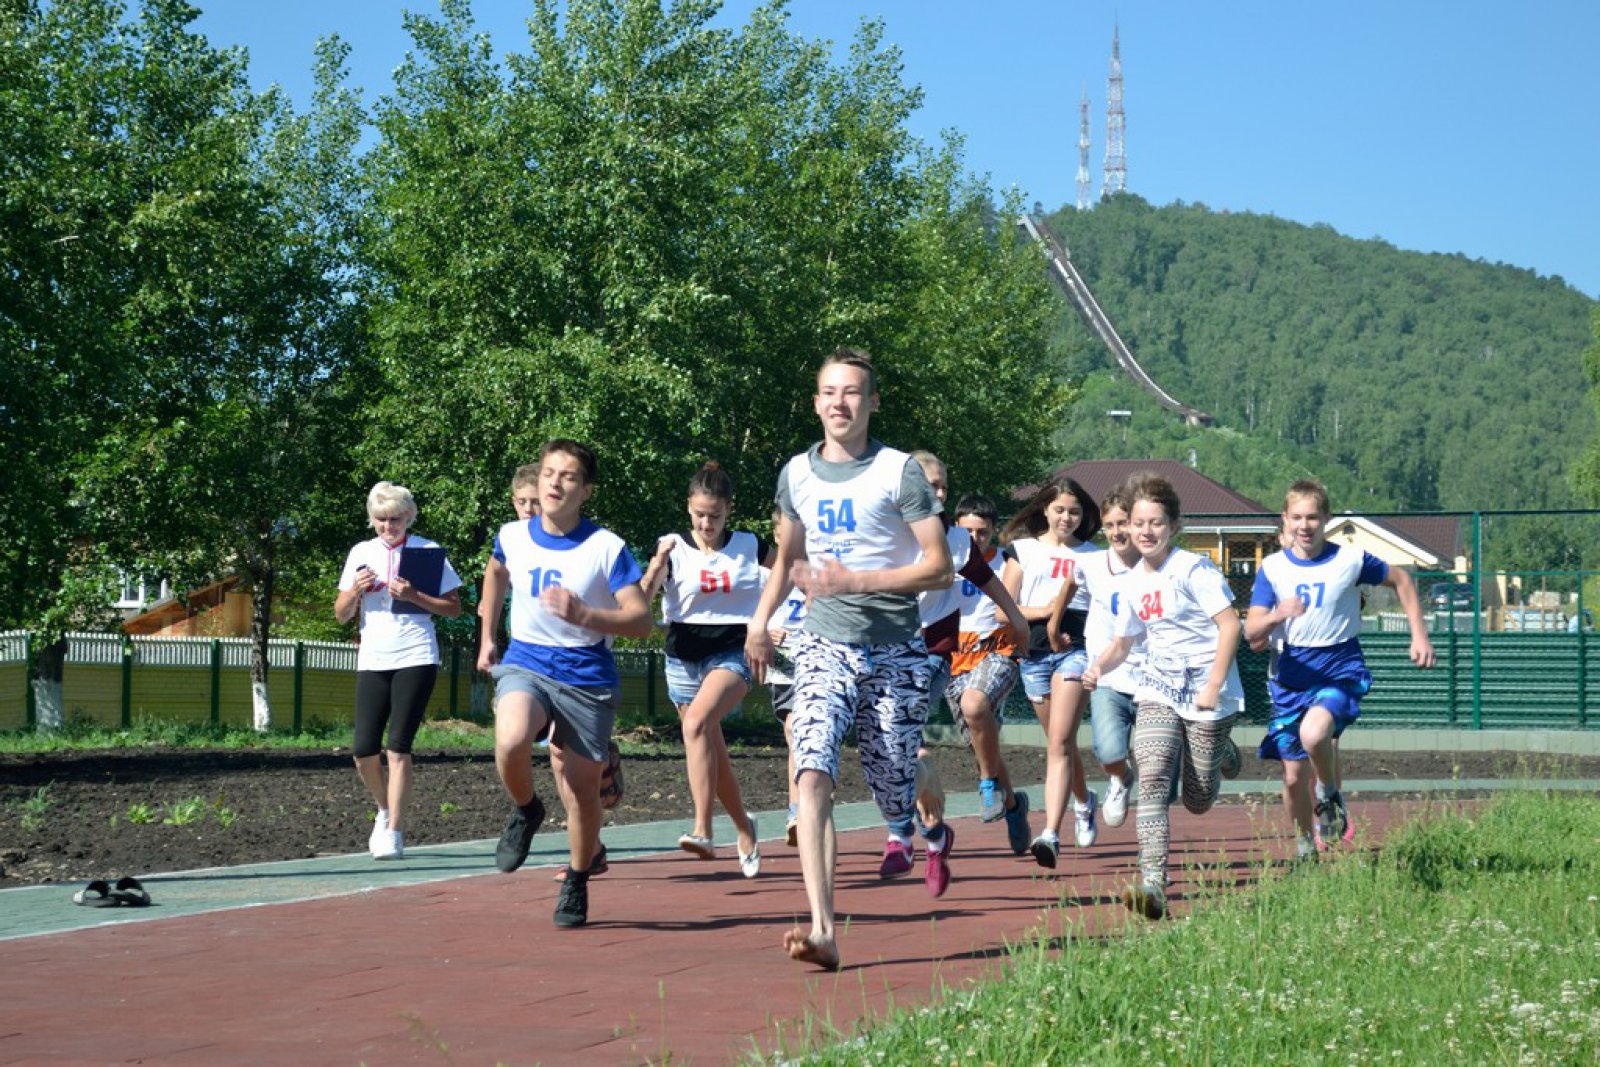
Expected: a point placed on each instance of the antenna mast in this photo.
(1085, 191)
(1116, 176)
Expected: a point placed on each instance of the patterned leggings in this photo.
(1164, 744)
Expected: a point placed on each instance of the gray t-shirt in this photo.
(865, 618)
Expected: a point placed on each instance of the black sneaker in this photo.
(515, 839)
(572, 906)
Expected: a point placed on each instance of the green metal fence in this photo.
(1483, 680)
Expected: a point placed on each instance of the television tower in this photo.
(1116, 177)
(1085, 192)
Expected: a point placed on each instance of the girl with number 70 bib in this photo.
(1188, 693)
(713, 580)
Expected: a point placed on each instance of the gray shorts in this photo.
(583, 718)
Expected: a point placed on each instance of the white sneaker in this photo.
(380, 827)
(1084, 817)
(1116, 805)
(391, 847)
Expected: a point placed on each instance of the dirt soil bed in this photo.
(71, 816)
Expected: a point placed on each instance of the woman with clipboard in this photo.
(397, 582)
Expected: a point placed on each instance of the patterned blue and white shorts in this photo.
(881, 690)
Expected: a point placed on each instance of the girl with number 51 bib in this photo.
(713, 580)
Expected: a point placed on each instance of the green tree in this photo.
(645, 232)
(237, 459)
(99, 117)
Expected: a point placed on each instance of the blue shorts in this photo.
(1111, 716)
(1289, 707)
(1038, 670)
(685, 675)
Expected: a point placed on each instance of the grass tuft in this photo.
(1467, 938)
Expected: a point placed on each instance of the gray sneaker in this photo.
(1230, 761)
(991, 801)
(1147, 898)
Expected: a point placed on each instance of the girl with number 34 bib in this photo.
(1188, 693)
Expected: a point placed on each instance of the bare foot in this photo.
(824, 954)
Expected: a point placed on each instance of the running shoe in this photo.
(1306, 849)
(1017, 829)
(1115, 809)
(1229, 761)
(1333, 820)
(1044, 849)
(991, 802)
(572, 906)
(697, 846)
(936, 876)
(1084, 817)
(1147, 898)
(597, 866)
(391, 847)
(517, 837)
(897, 859)
(750, 862)
(791, 829)
(380, 827)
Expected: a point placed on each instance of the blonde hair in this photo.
(526, 475)
(387, 499)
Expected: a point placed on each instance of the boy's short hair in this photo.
(578, 451)
(853, 357)
(525, 476)
(1308, 489)
(1117, 497)
(979, 505)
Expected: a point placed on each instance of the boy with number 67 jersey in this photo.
(1312, 589)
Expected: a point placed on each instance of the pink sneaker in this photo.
(897, 859)
(937, 874)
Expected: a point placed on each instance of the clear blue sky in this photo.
(1462, 126)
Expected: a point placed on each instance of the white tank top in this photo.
(936, 604)
(714, 588)
(856, 522)
(1044, 568)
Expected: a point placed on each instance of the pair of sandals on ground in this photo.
(126, 893)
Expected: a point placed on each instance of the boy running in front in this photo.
(1312, 590)
(866, 521)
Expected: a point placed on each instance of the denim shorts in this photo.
(685, 675)
(1038, 670)
(1111, 716)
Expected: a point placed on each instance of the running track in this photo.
(440, 959)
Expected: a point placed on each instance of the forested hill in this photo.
(1404, 379)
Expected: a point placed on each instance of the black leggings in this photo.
(397, 698)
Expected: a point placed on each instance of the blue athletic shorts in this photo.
(1289, 706)
(1038, 670)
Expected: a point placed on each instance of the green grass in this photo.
(36, 807)
(1466, 939)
